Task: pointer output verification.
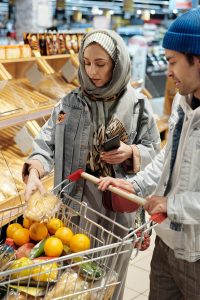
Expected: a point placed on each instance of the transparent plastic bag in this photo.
(41, 208)
(69, 283)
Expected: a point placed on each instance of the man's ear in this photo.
(198, 59)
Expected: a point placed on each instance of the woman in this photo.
(105, 105)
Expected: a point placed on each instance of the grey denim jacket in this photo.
(183, 204)
(63, 145)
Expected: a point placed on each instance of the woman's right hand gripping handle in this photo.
(33, 184)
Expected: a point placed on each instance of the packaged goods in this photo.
(68, 44)
(69, 283)
(74, 42)
(49, 44)
(41, 207)
(33, 40)
(42, 43)
(62, 43)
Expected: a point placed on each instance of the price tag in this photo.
(24, 140)
(34, 75)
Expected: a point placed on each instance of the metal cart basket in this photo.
(65, 277)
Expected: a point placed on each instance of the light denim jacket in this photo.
(183, 204)
(64, 145)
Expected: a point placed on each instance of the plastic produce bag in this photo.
(69, 283)
(41, 208)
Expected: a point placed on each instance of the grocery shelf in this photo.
(24, 100)
(33, 58)
(14, 60)
(10, 120)
(60, 56)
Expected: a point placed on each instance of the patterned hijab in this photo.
(103, 102)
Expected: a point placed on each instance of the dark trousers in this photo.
(172, 278)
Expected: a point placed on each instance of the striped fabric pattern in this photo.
(105, 41)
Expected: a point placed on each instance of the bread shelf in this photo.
(22, 101)
(33, 58)
(16, 60)
(7, 121)
(60, 56)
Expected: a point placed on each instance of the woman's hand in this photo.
(118, 155)
(104, 182)
(33, 184)
(156, 204)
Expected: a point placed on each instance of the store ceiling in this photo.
(160, 6)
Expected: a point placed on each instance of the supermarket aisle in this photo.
(137, 282)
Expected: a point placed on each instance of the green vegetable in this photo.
(66, 249)
(38, 249)
(91, 271)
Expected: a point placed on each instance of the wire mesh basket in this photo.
(89, 275)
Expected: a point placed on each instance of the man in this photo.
(173, 179)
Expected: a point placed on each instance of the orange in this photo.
(79, 242)
(54, 224)
(53, 247)
(38, 231)
(12, 228)
(27, 223)
(64, 234)
(21, 236)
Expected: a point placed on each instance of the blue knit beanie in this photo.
(184, 33)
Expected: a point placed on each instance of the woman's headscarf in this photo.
(122, 65)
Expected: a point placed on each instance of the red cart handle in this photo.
(158, 218)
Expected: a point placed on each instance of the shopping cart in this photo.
(67, 277)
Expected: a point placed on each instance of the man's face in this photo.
(185, 76)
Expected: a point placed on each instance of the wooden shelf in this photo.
(61, 56)
(16, 60)
(14, 119)
(17, 87)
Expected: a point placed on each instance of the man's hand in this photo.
(156, 204)
(118, 155)
(104, 182)
(33, 184)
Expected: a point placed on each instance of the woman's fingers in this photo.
(117, 182)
